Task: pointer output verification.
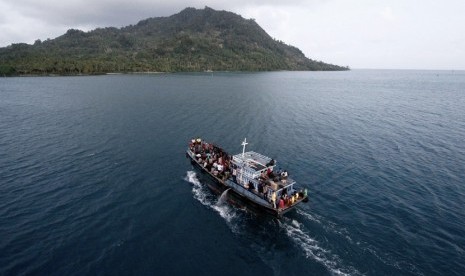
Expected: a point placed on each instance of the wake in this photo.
(202, 194)
(296, 231)
(293, 229)
(313, 250)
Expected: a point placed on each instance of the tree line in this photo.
(192, 40)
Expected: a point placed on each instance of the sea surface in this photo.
(94, 179)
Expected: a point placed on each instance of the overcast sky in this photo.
(391, 34)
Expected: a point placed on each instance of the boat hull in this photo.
(236, 197)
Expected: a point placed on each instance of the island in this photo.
(193, 40)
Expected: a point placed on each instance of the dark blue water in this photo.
(94, 180)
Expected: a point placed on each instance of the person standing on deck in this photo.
(234, 173)
(273, 199)
(281, 203)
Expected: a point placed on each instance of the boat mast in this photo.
(243, 146)
(242, 166)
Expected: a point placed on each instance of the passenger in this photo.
(251, 186)
(191, 144)
(271, 174)
(268, 172)
(265, 189)
(281, 203)
(234, 173)
(273, 199)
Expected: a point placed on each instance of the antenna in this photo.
(243, 146)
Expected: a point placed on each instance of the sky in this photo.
(377, 34)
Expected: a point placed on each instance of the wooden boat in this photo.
(251, 176)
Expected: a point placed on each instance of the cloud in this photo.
(358, 33)
(118, 12)
(21, 19)
(28, 20)
(16, 27)
(387, 14)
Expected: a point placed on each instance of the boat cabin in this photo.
(257, 173)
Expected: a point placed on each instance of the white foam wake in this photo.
(313, 249)
(384, 257)
(201, 193)
(327, 225)
(308, 216)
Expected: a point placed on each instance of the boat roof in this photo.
(253, 160)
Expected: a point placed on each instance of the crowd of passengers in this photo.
(284, 199)
(215, 160)
(280, 199)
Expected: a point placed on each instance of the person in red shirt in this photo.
(281, 203)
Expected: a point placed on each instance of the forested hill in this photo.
(192, 40)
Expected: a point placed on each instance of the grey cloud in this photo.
(349, 32)
(119, 13)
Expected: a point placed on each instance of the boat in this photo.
(251, 176)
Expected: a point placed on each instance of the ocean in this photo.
(94, 178)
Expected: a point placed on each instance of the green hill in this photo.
(192, 40)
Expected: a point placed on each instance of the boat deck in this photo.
(250, 175)
(276, 184)
(254, 160)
